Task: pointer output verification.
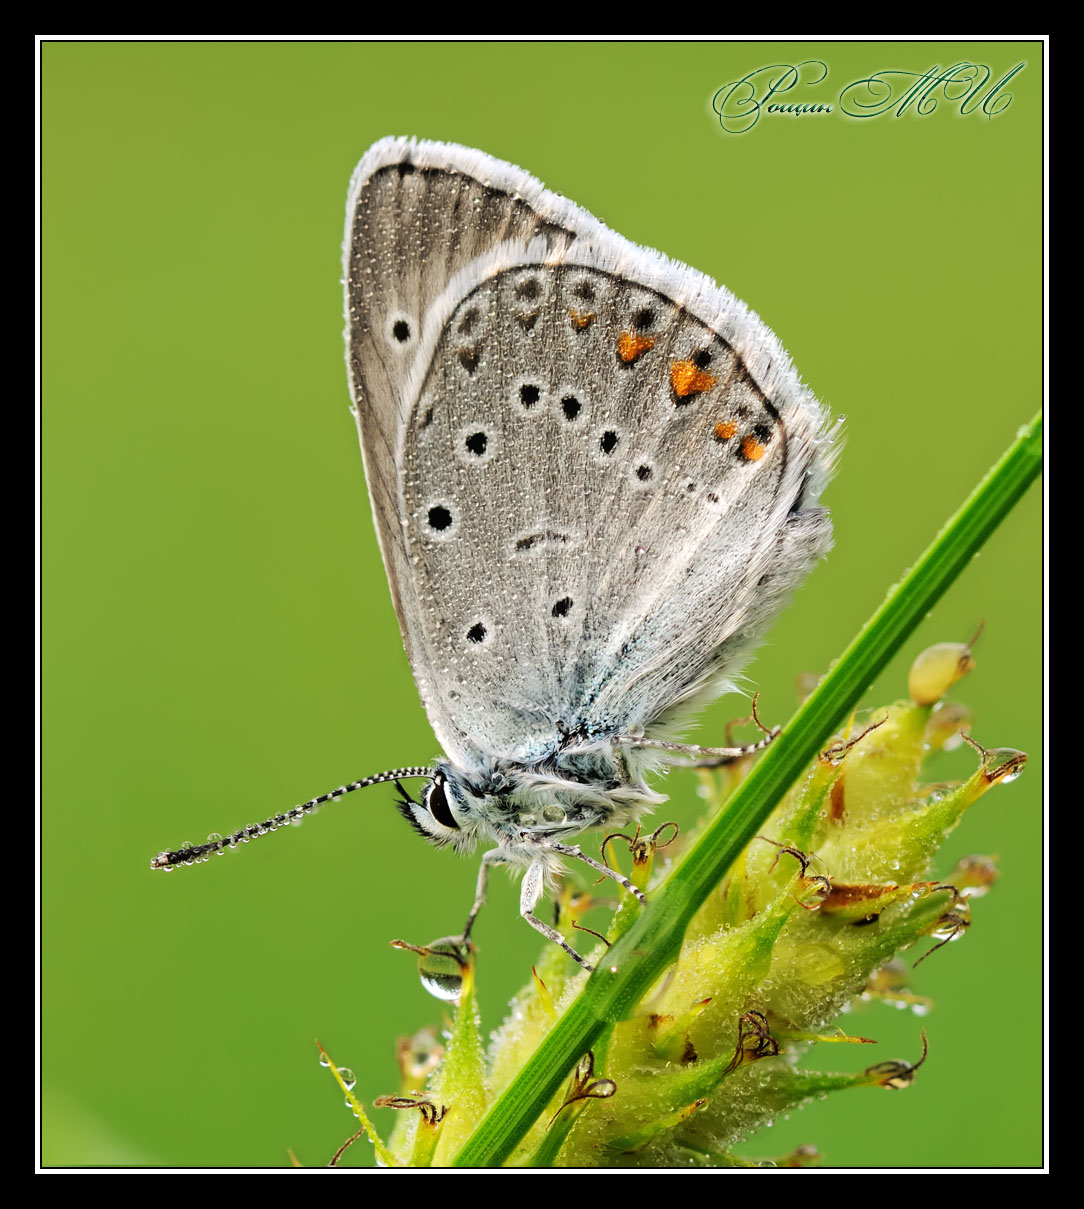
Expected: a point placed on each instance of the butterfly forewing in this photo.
(591, 469)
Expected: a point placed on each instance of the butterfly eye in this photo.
(436, 801)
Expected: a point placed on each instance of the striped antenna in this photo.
(194, 854)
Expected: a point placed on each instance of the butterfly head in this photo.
(433, 815)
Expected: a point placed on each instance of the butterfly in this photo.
(594, 476)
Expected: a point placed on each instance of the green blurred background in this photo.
(218, 637)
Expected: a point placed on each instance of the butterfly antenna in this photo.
(191, 854)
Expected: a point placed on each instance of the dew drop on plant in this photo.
(949, 932)
(945, 724)
(440, 969)
(348, 1077)
(976, 874)
(1004, 765)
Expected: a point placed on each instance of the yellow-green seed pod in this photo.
(938, 668)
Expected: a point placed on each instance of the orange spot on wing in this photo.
(581, 319)
(688, 379)
(725, 429)
(629, 347)
(751, 449)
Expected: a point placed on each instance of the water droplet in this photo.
(554, 814)
(950, 931)
(348, 1077)
(441, 966)
(1004, 765)
(945, 724)
(528, 820)
(975, 874)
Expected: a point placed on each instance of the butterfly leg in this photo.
(703, 757)
(533, 881)
(576, 854)
(708, 757)
(492, 857)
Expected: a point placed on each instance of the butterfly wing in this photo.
(593, 472)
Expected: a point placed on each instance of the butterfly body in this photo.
(516, 805)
